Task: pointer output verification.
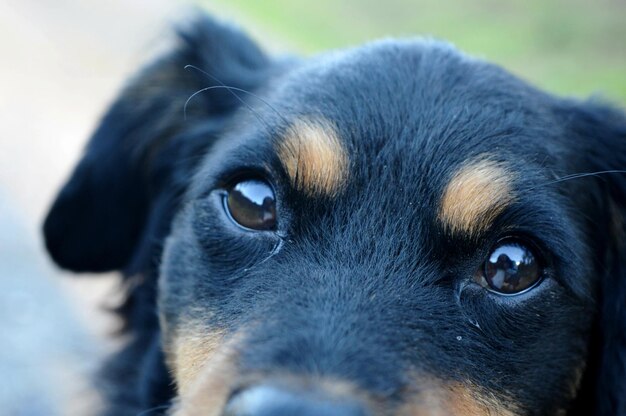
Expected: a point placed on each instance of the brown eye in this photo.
(251, 204)
(512, 267)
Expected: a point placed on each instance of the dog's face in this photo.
(385, 230)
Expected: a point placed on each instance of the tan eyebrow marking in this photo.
(477, 193)
(314, 157)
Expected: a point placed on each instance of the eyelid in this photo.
(229, 178)
(224, 179)
(472, 289)
(535, 243)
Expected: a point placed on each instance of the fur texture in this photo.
(364, 285)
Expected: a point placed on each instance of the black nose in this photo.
(274, 401)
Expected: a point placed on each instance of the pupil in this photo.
(511, 268)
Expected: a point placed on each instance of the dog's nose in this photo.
(274, 401)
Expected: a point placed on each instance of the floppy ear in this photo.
(99, 216)
(601, 131)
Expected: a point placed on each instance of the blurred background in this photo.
(63, 61)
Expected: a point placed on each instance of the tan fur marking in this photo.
(189, 353)
(314, 157)
(210, 381)
(332, 388)
(475, 196)
(467, 400)
(437, 398)
(577, 378)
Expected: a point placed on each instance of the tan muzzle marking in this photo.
(206, 373)
(437, 398)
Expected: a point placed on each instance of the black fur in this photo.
(367, 285)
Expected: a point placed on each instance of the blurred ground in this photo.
(43, 344)
(63, 61)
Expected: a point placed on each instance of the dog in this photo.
(392, 229)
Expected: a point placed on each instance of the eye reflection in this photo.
(251, 204)
(511, 268)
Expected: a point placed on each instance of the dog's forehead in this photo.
(392, 76)
(400, 99)
(406, 110)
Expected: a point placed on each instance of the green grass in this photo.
(570, 47)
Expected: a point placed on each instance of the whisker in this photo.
(214, 78)
(577, 176)
(218, 87)
(232, 91)
(152, 409)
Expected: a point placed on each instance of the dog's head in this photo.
(392, 229)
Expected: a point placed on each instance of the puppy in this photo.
(394, 229)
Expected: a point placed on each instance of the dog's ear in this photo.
(100, 214)
(597, 137)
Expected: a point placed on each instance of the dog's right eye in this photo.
(251, 204)
(512, 267)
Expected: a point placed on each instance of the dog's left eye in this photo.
(251, 204)
(512, 267)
